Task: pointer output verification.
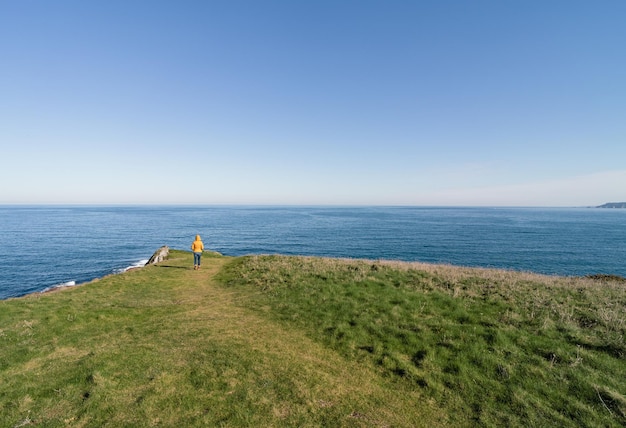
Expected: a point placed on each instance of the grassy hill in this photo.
(299, 341)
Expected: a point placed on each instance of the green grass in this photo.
(295, 341)
(491, 348)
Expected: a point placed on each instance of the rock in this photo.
(159, 255)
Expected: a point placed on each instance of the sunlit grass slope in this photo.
(168, 346)
(296, 341)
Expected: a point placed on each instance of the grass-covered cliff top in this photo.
(297, 341)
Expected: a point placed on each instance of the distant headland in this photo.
(613, 205)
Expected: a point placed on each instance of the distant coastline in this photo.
(613, 205)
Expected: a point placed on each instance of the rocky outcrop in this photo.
(613, 205)
(159, 255)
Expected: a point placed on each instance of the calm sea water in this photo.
(42, 246)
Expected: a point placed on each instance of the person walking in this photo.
(197, 247)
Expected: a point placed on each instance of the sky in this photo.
(343, 102)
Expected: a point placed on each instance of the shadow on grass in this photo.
(175, 267)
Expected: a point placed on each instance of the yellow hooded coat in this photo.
(197, 246)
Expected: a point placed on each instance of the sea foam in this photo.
(140, 263)
(65, 284)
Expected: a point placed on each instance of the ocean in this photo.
(42, 247)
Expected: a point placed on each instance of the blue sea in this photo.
(47, 246)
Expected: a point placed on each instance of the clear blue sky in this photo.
(313, 102)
